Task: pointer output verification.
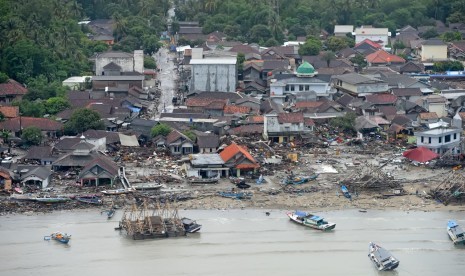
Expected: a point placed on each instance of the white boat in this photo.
(310, 220)
(118, 191)
(456, 233)
(148, 186)
(382, 258)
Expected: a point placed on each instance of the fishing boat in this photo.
(203, 180)
(160, 220)
(52, 199)
(191, 226)
(148, 186)
(297, 180)
(23, 197)
(58, 236)
(456, 233)
(345, 192)
(235, 195)
(382, 258)
(110, 213)
(310, 220)
(118, 191)
(90, 200)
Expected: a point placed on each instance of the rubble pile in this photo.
(451, 188)
(369, 177)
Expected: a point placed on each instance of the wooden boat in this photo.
(148, 186)
(203, 180)
(297, 180)
(456, 233)
(52, 199)
(90, 200)
(345, 192)
(382, 258)
(310, 220)
(23, 197)
(58, 236)
(118, 191)
(191, 226)
(234, 195)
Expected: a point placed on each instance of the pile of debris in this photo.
(451, 188)
(370, 177)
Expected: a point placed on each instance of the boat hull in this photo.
(381, 258)
(326, 227)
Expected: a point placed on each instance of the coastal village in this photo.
(230, 125)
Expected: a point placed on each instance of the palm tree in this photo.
(75, 8)
(211, 5)
(119, 26)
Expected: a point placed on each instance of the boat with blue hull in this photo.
(382, 258)
(297, 180)
(311, 220)
(110, 213)
(345, 192)
(234, 195)
(59, 237)
(456, 233)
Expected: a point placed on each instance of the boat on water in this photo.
(118, 191)
(346, 192)
(58, 236)
(147, 186)
(382, 258)
(110, 213)
(310, 220)
(191, 226)
(90, 200)
(456, 233)
(52, 199)
(160, 220)
(236, 195)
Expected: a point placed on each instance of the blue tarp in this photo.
(134, 109)
(300, 213)
(316, 218)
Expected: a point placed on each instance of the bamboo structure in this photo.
(451, 188)
(158, 221)
(370, 177)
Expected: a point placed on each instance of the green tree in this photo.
(311, 47)
(328, 56)
(56, 104)
(430, 33)
(346, 122)
(191, 135)
(149, 62)
(5, 134)
(32, 135)
(259, 33)
(336, 44)
(240, 64)
(3, 77)
(160, 129)
(2, 117)
(451, 36)
(444, 66)
(83, 119)
(359, 60)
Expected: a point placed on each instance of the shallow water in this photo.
(232, 242)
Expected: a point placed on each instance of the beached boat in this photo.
(23, 197)
(297, 180)
(456, 233)
(382, 258)
(234, 195)
(52, 199)
(90, 200)
(147, 186)
(310, 220)
(191, 226)
(202, 180)
(243, 185)
(58, 236)
(118, 191)
(345, 192)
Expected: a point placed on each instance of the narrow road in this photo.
(167, 78)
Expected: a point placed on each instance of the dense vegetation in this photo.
(262, 20)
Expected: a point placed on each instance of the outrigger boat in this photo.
(58, 236)
(235, 195)
(148, 186)
(456, 233)
(202, 180)
(52, 199)
(345, 192)
(310, 220)
(382, 258)
(118, 191)
(90, 200)
(297, 180)
(190, 225)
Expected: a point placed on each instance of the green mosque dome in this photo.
(306, 69)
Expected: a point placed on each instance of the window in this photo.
(429, 140)
(292, 88)
(422, 139)
(440, 140)
(307, 87)
(455, 136)
(176, 149)
(301, 87)
(447, 139)
(287, 87)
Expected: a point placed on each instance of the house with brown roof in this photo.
(10, 91)
(49, 128)
(9, 111)
(427, 118)
(284, 127)
(100, 171)
(409, 94)
(383, 58)
(247, 130)
(208, 143)
(41, 154)
(238, 159)
(178, 143)
(412, 67)
(383, 99)
(457, 49)
(230, 110)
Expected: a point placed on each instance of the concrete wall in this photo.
(139, 61)
(433, 52)
(439, 108)
(126, 64)
(214, 77)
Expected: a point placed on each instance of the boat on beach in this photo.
(90, 200)
(310, 220)
(191, 226)
(346, 192)
(58, 236)
(118, 191)
(52, 199)
(147, 186)
(202, 180)
(23, 197)
(297, 180)
(382, 258)
(235, 195)
(456, 233)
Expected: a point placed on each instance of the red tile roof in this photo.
(369, 42)
(428, 115)
(10, 111)
(309, 122)
(381, 98)
(256, 119)
(296, 117)
(12, 87)
(232, 109)
(203, 102)
(43, 124)
(233, 149)
(308, 104)
(382, 56)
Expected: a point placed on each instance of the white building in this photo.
(440, 140)
(76, 82)
(343, 30)
(378, 35)
(213, 74)
(128, 62)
